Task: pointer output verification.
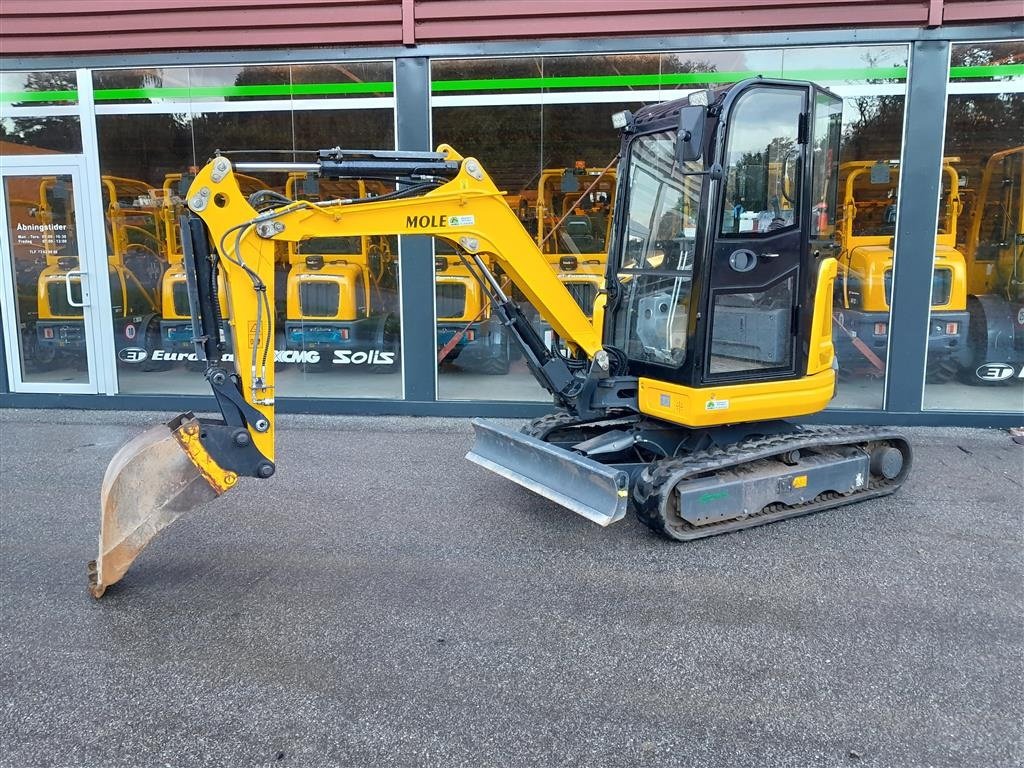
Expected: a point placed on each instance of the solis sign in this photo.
(281, 356)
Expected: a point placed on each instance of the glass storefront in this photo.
(541, 127)
(976, 328)
(43, 241)
(39, 113)
(337, 303)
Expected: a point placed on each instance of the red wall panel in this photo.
(29, 27)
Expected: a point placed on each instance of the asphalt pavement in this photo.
(381, 601)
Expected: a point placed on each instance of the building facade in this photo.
(107, 109)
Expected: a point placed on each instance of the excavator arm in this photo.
(171, 468)
(458, 202)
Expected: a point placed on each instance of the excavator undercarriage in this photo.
(714, 327)
(690, 484)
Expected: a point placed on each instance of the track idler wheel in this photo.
(886, 462)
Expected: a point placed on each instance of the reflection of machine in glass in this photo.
(651, 409)
(995, 273)
(864, 283)
(467, 333)
(570, 217)
(574, 226)
(30, 245)
(342, 299)
(175, 333)
(134, 264)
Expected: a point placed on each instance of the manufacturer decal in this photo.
(716, 405)
(994, 372)
(307, 356)
(438, 221)
(370, 357)
(706, 498)
(170, 357)
(281, 356)
(132, 355)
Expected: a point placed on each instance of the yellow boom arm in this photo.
(196, 459)
(469, 211)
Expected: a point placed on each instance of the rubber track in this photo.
(654, 498)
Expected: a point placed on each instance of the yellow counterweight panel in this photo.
(52, 276)
(345, 277)
(763, 400)
(475, 306)
(736, 403)
(869, 263)
(947, 257)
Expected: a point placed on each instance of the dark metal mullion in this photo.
(917, 219)
(416, 253)
(5, 385)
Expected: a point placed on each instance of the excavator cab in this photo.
(714, 261)
(713, 329)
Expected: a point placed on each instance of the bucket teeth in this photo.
(95, 588)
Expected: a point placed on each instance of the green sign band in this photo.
(505, 84)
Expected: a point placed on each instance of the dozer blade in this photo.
(598, 492)
(150, 482)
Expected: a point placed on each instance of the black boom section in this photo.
(228, 442)
(550, 370)
(201, 279)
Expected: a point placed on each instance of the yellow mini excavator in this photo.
(672, 400)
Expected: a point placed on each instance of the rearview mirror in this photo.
(690, 141)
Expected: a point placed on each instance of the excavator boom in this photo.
(171, 468)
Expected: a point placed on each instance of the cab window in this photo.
(762, 163)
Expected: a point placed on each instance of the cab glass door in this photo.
(755, 276)
(47, 283)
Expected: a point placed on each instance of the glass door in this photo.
(755, 270)
(48, 275)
